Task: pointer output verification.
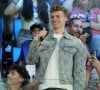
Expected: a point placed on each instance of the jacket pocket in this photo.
(70, 50)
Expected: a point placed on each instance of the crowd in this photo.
(64, 45)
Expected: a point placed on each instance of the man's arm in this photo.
(89, 68)
(79, 69)
(13, 7)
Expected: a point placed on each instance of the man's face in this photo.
(58, 19)
(35, 32)
(13, 78)
(76, 28)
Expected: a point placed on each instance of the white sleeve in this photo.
(19, 4)
(68, 4)
(48, 6)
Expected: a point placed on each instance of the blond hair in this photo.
(59, 8)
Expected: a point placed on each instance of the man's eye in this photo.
(58, 16)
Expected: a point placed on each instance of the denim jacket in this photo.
(72, 59)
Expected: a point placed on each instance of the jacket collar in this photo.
(65, 35)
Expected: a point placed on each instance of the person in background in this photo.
(59, 58)
(93, 78)
(96, 64)
(31, 11)
(17, 78)
(74, 28)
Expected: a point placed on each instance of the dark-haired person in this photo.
(59, 58)
(32, 11)
(74, 28)
(17, 78)
(37, 28)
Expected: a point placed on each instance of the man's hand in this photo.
(42, 33)
(95, 62)
(84, 37)
(89, 65)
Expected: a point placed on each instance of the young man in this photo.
(60, 57)
(17, 78)
(74, 28)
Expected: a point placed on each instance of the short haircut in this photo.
(71, 21)
(22, 72)
(59, 8)
(36, 25)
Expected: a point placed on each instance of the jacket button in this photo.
(52, 48)
(71, 51)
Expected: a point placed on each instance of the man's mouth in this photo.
(77, 35)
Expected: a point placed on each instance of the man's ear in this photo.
(66, 19)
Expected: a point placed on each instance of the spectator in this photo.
(79, 9)
(93, 66)
(60, 56)
(94, 45)
(74, 28)
(32, 11)
(96, 64)
(17, 78)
